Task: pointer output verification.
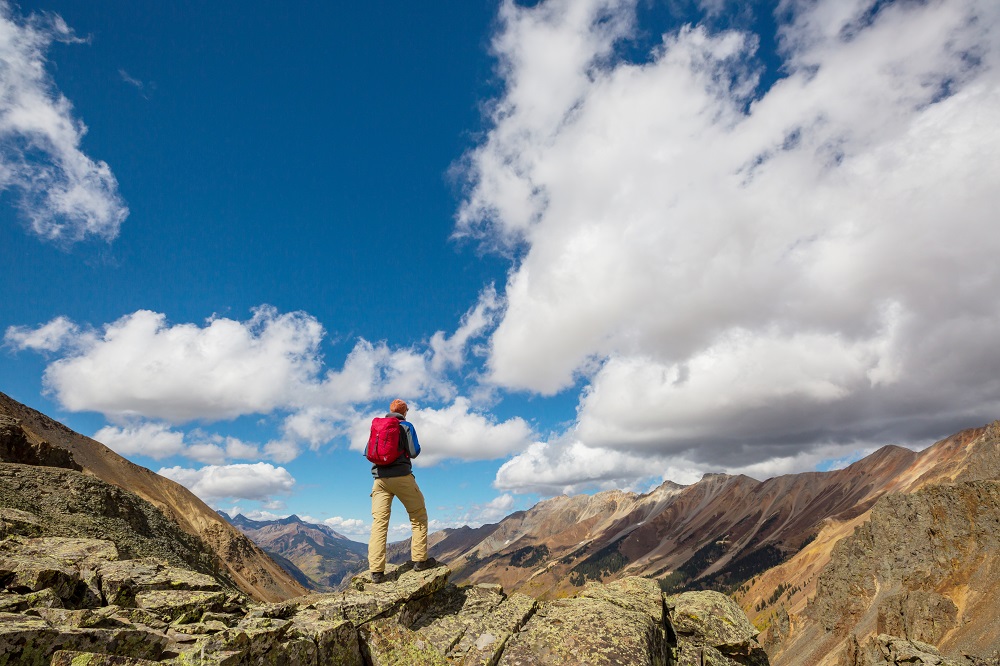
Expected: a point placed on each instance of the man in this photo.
(396, 480)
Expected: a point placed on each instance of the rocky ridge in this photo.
(29, 437)
(716, 533)
(913, 580)
(920, 577)
(73, 601)
(37, 501)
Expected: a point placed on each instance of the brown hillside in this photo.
(245, 563)
(896, 546)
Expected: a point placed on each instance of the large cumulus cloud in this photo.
(742, 275)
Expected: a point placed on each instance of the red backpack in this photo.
(383, 442)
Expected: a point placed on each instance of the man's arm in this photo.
(412, 443)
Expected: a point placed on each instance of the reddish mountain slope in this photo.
(887, 563)
(723, 532)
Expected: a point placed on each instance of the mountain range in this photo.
(318, 556)
(770, 544)
(865, 565)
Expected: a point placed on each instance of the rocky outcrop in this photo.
(16, 446)
(917, 578)
(920, 615)
(65, 503)
(913, 545)
(75, 594)
(887, 650)
(712, 629)
(73, 601)
(624, 622)
(51, 444)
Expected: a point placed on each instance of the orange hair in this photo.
(398, 406)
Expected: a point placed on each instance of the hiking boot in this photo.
(429, 563)
(378, 577)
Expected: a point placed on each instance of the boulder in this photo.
(485, 640)
(17, 522)
(183, 605)
(336, 641)
(443, 618)
(366, 600)
(72, 560)
(919, 615)
(74, 552)
(31, 641)
(712, 628)
(25, 641)
(16, 603)
(100, 618)
(258, 641)
(23, 573)
(886, 650)
(386, 642)
(121, 581)
(139, 616)
(622, 624)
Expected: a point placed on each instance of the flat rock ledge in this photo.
(72, 602)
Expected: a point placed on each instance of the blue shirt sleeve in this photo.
(412, 443)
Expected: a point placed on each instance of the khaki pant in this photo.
(405, 488)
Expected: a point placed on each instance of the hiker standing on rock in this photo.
(391, 445)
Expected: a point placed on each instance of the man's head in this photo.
(399, 407)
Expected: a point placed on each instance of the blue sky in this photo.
(594, 244)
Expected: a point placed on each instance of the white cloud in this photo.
(158, 441)
(450, 351)
(282, 450)
(478, 514)
(142, 365)
(456, 431)
(49, 337)
(258, 481)
(64, 195)
(566, 466)
(155, 440)
(378, 371)
(348, 526)
(314, 425)
(215, 449)
(742, 278)
(493, 511)
(238, 449)
(206, 452)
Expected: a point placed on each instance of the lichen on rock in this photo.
(710, 623)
